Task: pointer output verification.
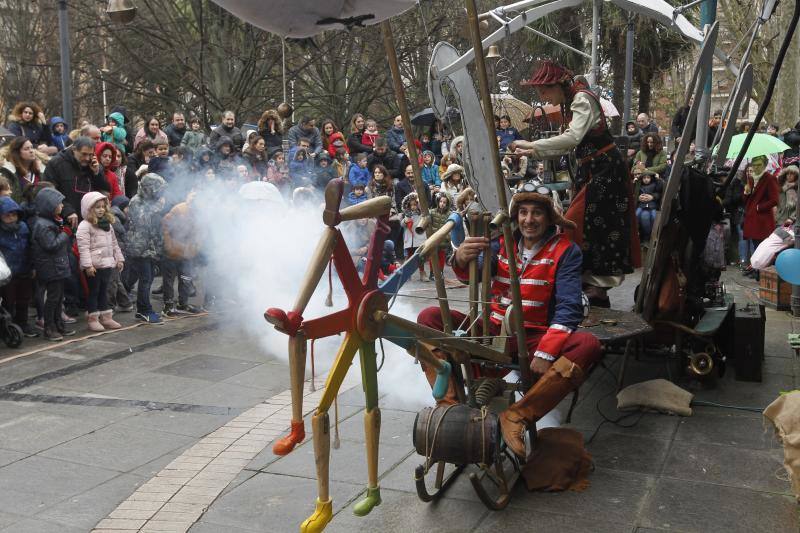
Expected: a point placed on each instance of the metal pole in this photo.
(795, 301)
(708, 15)
(283, 65)
(413, 157)
(66, 70)
(105, 100)
(626, 115)
(595, 72)
(516, 295)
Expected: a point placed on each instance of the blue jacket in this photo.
(15, 239)
(358, 176)
(395, 138)
(507, 136)
(63, 140)
(430, 175)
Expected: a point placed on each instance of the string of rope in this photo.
(313, 387)
(336, 442)
(432, 443)
(383, 354)
(446, 337)
(422, 297)
(484, 412)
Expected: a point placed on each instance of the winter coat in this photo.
(118, 134)
(144, 133)
(120, 224)
(179, 232)
(402, 189)
(324, 175)
(734, 201)
(352, 199)
(97, 247)
(18, 183)
(787, 198)
(50, 245)
(15, 239)
(439, 218)
(225, 165)
(430, 175)
(758, 220)
(144, 218)
(358, 176)
(272, 140)
(193, 140)
(410, 221)
(256, 161)
(654, 189)
(108, 173)
(36, 132)
(59, 141)
(395, 138)
(233, 133)
(73, 180)
(389, 160)
(336, 141)
(658, 164)
(295, 133)
(131, 179)
(355, 146)
(174, 135)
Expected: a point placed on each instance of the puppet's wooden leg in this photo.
(297, 372)
(322, 436)
(372, 428)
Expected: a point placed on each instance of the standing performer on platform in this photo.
(602, 206)
(549, 266)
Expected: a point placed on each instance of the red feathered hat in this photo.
(549, 73)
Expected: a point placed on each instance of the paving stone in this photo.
(28, 367)
(725, 428)
(270, 503)
(190, 424)
(612, 496)
(155, 466)
(401, 511)
(86, 509)
(728, 465)
(401, 478)
(39, 429)
(630, 453)
(271, 377)
(203, 527)
(396, 427)
(118, 447)
(33, 525)
(152, 386)
(346, 464)
(524, 520)
(751, 394)
(779, 365)
(207, 367)
(8, 456)
(6, 519)
(703, 508)
(224, 394)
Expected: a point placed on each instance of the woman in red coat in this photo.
(761, 194)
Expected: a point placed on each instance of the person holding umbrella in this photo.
(603, 208)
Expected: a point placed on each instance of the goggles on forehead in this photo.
(529, 186)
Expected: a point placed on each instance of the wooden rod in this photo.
(483, 87)
(374, 207)
(316, 267)
(431, 244)
(486, 279)
(400, 94)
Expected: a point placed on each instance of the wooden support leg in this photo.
(297, 373)
(320, 424)
(323, 513)
(316, 268)
(372, 429)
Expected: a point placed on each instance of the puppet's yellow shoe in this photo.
(317, 521)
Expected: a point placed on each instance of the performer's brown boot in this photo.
(451, 397)
(559, 380)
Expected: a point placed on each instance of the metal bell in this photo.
(121, 11)
(494, 52)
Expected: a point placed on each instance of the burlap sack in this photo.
(657, 394)
(784, 413)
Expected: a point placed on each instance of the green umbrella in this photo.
(762, 144)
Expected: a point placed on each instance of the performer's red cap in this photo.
(549, 73)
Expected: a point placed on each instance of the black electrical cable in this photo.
(762, 110)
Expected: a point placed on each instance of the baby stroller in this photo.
(10, 332)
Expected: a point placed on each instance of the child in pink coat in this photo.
(99, 255)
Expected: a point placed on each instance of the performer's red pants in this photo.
(581, 348)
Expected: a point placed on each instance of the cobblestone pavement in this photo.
(169, 428)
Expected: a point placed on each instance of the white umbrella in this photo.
(305, 18)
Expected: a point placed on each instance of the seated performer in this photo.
(602, 207)
(549, 267)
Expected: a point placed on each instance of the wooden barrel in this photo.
(457, 434)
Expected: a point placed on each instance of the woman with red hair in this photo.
(602, 207)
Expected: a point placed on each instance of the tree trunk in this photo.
(644, 92)
(617, 60)
(786, 106)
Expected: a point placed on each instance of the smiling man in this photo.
(549, 267)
